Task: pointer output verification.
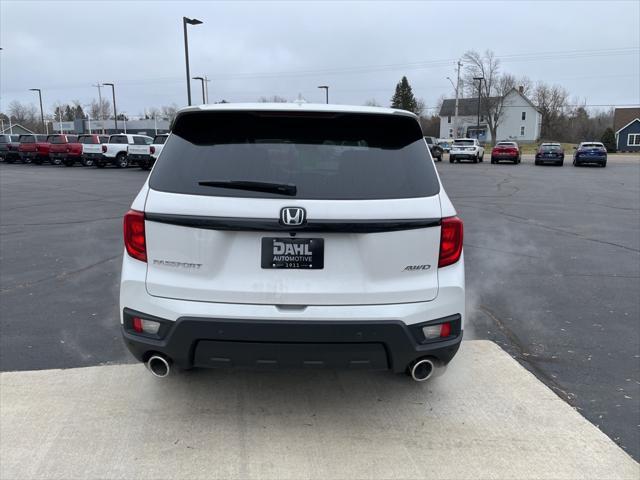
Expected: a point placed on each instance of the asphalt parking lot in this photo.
(553, 273)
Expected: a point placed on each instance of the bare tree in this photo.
(552, 103)
(26, 115)
(273, 99)
(491, 89)
(372, 103)
(169, 111)
(98, 112)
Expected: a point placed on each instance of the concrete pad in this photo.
(487, 417)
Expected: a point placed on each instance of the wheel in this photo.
(603, 164)
(87, 162)
(451, 158)
(536, 162)
(493, 162)
(55, 161)
(576, 163)
(477, 159)
(121, 160)
(482, 157)
(560, 163)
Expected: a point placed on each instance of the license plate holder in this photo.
(292, 253)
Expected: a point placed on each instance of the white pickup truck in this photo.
(466, 149)
(149, 156)
(123, 150)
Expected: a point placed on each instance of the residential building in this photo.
(520, 120)
(626, 125)
(16, 129)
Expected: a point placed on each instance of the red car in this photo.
(33, 148)
(509, 151)
(64, 149)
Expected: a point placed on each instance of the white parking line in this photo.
(487, 417)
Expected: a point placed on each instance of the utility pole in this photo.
(455, 117)
(479, 95)
(100, 117)
(206, 88)
(188, 21)
(326, 92)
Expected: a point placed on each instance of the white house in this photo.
(520, 120)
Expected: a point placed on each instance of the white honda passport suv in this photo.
(286, 235)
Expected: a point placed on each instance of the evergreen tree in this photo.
(68, 114)
(609, 140)
(403, 97)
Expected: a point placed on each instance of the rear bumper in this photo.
(136, 157)
(212, 342)
(591, 158)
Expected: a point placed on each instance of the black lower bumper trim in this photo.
(199, 342)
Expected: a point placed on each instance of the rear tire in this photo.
(55, 161)
(451, 158)
(603, 164)
(87, 162)
(121, 160)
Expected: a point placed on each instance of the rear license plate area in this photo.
(292, 253)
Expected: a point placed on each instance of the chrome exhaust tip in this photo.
(422, 370)
(158, 366)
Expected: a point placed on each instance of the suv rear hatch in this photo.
(216, 230)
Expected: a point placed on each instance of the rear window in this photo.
(72, 138)
(159, 139)
(464, 142)
(15, 138)
(41, 138)
(333, 156)
(88, 139)
(592, 145)
(505, 144)
(104, 139)
(550, 148)
(4, 139)
(27, 139)
(56, 139)
(141, 140)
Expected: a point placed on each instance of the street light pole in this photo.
(115, 112)
(204, 100)
(480, 79)
(41, 110)
(190, 21)
(326, 92)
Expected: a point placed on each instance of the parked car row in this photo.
(120, 150)
(553, 153)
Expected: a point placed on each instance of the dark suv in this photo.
(9, 148)
(435, 149)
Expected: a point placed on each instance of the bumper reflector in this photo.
(442, 330)
(141, 325)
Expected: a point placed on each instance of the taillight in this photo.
(451, 233)
(104, 149)
(152, 150)
(134, 237)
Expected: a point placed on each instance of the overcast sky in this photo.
(359, 49)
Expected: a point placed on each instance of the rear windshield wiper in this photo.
(279, 188)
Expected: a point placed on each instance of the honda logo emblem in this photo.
(293, 216)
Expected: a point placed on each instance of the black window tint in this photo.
(15, 138)
(27, 139)
(41, 138)
(118, 139)
(104, 139)
(160, 139)
(87, 139)
(72, 138)
(141, 141)
(326, 156)
(4, 139)
(56, 139)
